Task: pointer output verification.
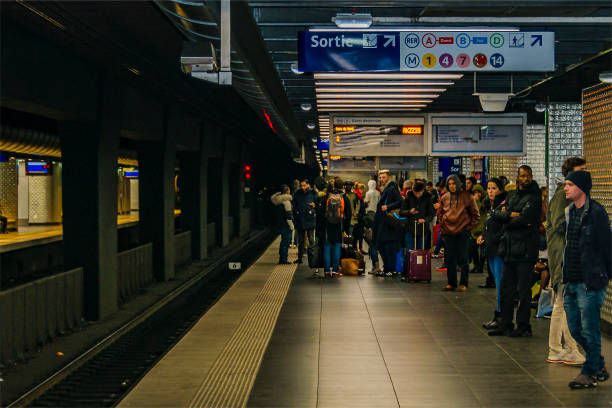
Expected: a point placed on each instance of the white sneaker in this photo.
(556, 358)
(574, 358)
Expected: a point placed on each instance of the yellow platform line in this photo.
(231, 378)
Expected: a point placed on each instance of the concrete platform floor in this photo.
(379, 342)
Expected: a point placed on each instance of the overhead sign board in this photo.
(403, 163)
(426, 50)
(377, 136)
(476, 134)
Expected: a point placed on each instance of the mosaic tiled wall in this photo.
(8, 189)
(503, 166)
(597, 144)
(466, 166)
(564, 137)
(433, 172)
(45, 198)
(535, 153)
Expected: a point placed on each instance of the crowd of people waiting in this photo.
(510, 228)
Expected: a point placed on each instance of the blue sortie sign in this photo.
(348, 51)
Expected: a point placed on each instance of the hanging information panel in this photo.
(377, 136)
(478, 135)
(418, 163)
(353, 164)
(425, 50)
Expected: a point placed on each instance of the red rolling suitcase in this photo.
(419, 261)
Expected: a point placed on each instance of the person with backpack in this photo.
(337, 215)
(386, 239)
(284, 221)
(304, 203)
(360, 227)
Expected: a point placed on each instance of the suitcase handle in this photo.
(415, 224)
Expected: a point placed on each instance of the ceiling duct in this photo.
(198, 23)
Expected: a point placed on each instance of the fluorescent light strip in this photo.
(372, 90)
(327, 101)
(383, 83)
(374, 75)
(381, 96)
(414, 29)
(410, 105)
(368, 109)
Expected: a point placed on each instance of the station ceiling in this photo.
(582, 29)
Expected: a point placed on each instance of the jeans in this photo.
(457, 255)
(301, 235)
(516, 276)
(388, 251)
(497, 266)
(559, 336)
(583, 308)
(331, 256)
(283, 249)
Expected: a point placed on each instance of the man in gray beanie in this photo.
(586, 272)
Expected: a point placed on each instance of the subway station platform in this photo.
(280, 338)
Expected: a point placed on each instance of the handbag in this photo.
(545, 303)
(394, 220)
(368, 235)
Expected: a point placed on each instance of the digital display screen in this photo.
(412, 130)
(37, 168)
(130, 174)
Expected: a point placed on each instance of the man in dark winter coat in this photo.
(386, 239)
(304, 203)
(586, 272)
(518, 248)
(458, 214)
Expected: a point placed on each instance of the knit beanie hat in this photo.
(479, 188)
(582, 179)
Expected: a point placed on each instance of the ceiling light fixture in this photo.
(352, 20)
(349, 105)
(306, 107)
(421, 29)
(295, 69)
(606, 77)
(368, 109)
(374, 75)
(311, 125)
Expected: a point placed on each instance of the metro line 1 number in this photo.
(429, 60)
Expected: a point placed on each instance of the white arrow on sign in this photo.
(390, 40)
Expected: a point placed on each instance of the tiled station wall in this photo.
(8, 189)
(597, 145)
(535, 153)
(564, 137)
(503, 166)
(45, 197)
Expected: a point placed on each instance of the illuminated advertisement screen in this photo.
(37, 168)
(130, 174)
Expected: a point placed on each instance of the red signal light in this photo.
(247, 168)
(247, 176)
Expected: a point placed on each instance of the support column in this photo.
(89, 196)
(195, 194)
(228, 155)
(156, 161)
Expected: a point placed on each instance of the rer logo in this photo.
(412, 60)
(412, 40)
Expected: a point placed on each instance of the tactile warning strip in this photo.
(229, 381)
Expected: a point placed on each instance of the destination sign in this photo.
(426, 50)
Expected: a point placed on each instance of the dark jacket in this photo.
(458, 211)
(303, 213)
(492, 228)
(333, 232)
(520, 239)
(594, 241)
(392, 198)
(555, 233)
(425, 210)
